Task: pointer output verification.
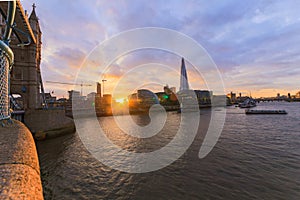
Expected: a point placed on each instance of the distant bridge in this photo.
(268, 99)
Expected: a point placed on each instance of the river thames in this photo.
(256, 157)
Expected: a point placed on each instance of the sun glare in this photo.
(120, 100)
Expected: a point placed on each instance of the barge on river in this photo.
(283, 112)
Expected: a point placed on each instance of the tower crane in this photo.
(64, 83)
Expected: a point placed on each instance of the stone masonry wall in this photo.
(19, 165)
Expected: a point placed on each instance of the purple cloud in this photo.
(241, 36)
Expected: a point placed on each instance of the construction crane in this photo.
(63, 83)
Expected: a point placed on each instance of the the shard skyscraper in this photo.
(184, 83)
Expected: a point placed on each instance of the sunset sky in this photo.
(254, 43)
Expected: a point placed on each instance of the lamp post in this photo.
(103, 80)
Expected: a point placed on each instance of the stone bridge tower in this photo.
(26, 73)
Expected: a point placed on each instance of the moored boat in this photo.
(283, 112)
(248, 103)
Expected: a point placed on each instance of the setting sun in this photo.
(120, 100)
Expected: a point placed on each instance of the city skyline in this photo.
(253, 43)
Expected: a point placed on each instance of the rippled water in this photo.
(256, 157)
